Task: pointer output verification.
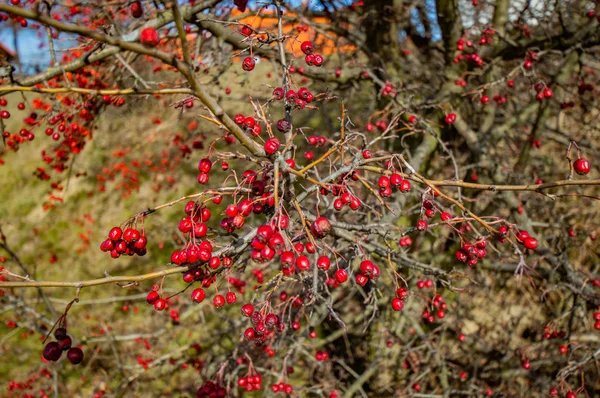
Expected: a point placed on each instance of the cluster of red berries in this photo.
(54, 349)
(398, 301)
(321, 356)
(261, 203)
(543, 92)
(405, 241)
(210, 389)
(471, 253)
(204, 167)
(388, 89)
(526, 240)
(16, 18)
(428, 208)
(426, 284)
(248, 123)
(219, 301)
(474, 57)
(530, 58)
(395, 180)
(597, 320)
(156, 300)
(317, 141)
(311, 59)
(347, 199)
(380, 124)
(282, 387)
(126, 243)
(266, 243)
(251, 382)
(264, 326)
(196, 250)
(437, 302)
(554, 392)
(500, 99)
(550, 334)
(368, 271)
(298, 99)
(450, 118)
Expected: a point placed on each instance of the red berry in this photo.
(198, 295)
(397, 304)
(219, 301)
(421, 225)
(149, 37)
(152, 297)
(320, 227)
(247, 310)
(341, 275)
(323, 263)
(230, 298)
(307, 47)
(204, 165)
(278, 93)
(318, 60)
(248, 64)
(405, 186)
(530, 243)
(160, 304)
(272, 145)
(582, 166)
(302, 263)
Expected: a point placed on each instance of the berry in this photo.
(283, 125)
(323, 263)
(75, 355)
(341, 275)
(421, 225)
(136, 9)
(278, 93)
(247, 310)
(397, 304)
(530, 243)
(248, 64)
(272, 145)
(65, 343)
(52, 351)
(320, 227)
(149, 37)
(218, 301)
(230, 298)
(160, 304)
(306, 47)
(152, 297)
(582, 166)
(60, 333)
(198, 295)
(115, 234)
(450, 118)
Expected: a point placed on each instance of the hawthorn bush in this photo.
(323, 199)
